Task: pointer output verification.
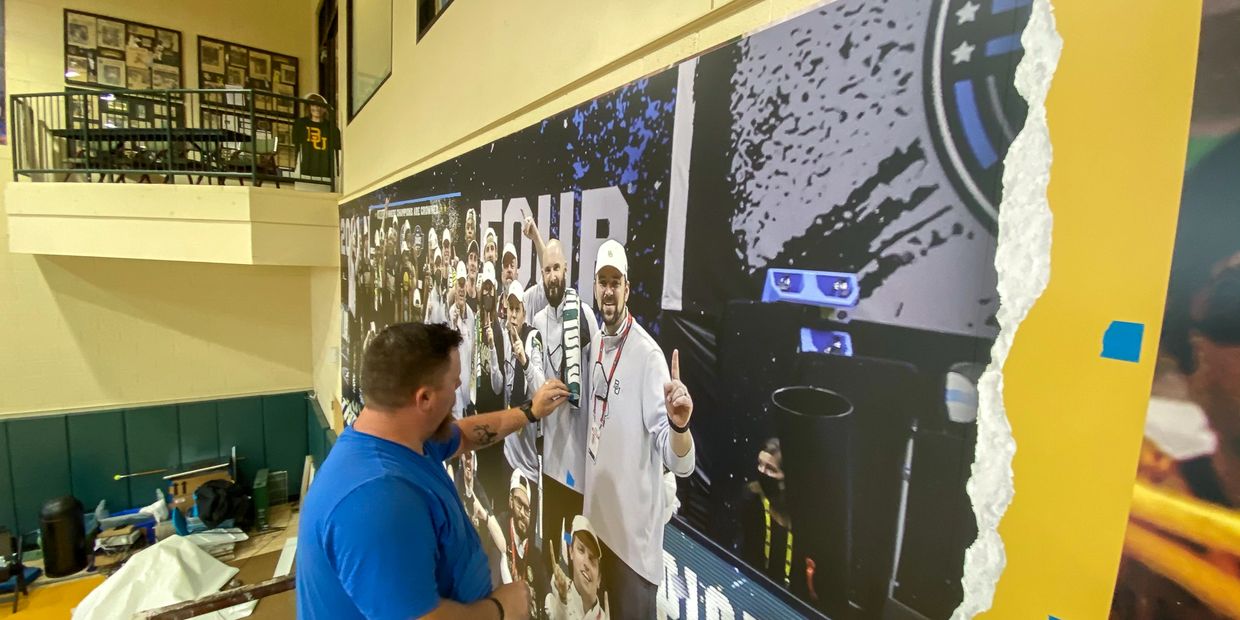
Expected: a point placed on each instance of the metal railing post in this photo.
(253, 145)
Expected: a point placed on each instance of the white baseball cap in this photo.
(417, 297)
(519, 482)
(461, 272)
(488, 272)
(447, 236)
(516, 290)
(582, 524)
(489, 235)
(433, 238)
(611, 254)
(438, 253)
(508, 249)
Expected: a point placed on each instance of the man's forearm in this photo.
(681, 443)
(480, 431)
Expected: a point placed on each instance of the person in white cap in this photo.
(490, 251)
(472, 266)
(436, 308)
(517, 372)
(461, 318)
(445, 240)
(581, 597)
(639, 425)
(471, 226)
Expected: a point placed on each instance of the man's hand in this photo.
(488, 337)
(515, 599)
(479, 513)
(518, 351)
(548, 397)
(529, 228)
(679, 403)
(560, 581)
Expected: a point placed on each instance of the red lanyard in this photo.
(619, 350)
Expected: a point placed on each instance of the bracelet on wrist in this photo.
(678, 429)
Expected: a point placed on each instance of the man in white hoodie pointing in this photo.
(639, 424)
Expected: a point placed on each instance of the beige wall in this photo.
(489, 67)
(85, 333)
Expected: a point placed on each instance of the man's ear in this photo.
(421, 397)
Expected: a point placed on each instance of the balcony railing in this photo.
(173, 136)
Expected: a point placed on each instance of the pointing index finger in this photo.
(675, 364)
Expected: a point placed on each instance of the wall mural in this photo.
(807, 217)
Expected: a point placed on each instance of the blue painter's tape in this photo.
(570, 480)
(974, 131)
(1122, 341)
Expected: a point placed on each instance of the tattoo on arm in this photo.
(483, 435)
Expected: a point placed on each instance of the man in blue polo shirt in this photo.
(383, 533)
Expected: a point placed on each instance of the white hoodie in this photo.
(628, 446)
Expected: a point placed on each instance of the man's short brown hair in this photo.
(402, 358)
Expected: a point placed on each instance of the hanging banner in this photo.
(804, 220)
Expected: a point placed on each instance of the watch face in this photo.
(972, 106)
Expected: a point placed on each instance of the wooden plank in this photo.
(39, 457)
(96, 454)
(221, 600)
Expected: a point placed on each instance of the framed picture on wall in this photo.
(79, 67)
(111, 72)
(137, 78)
(260, 66)
(238, 56)
(111, 34)
(165, 78)
(210, 57)
(80, 30)
(119, 53)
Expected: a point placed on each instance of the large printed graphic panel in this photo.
(807, 219)
(1182, 547)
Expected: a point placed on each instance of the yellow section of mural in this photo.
(1118, 111)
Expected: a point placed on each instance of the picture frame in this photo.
(111, 72)
(78, 68)
(115, 121)
(236, 77)
(238, 56)
(140, 110)
(80, 30)
(210, 57)
(137, 78)
(111, 34)
(169, 39)
(260, 66)
(164, 78)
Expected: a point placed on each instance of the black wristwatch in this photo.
(528, 410)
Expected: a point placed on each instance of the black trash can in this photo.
(63, 528)
(815, 431)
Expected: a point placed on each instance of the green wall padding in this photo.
(241, 425)
(200, 432)
(284, 432)
(39, 462)
(153, 442)
(96, 454)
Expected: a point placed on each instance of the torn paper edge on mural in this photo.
(1022, 260)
